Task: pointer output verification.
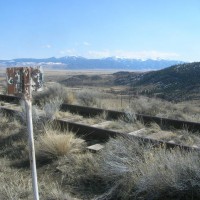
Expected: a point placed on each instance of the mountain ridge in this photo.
(81, 63)
(178, 82)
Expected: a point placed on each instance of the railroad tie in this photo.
(138, 132)
(102, 124)
(96, 147)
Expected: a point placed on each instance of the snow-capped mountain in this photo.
(81, 63)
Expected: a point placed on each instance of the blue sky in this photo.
(165, 29)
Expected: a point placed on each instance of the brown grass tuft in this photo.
(53, 144)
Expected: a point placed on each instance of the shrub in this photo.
(87, 98)
(51, 108)
(91, 175)
(55, 91)
(70, 98)
(129, 116)
(128, 169)
(133, 171)
(80, 174)
(41, 115)
(160, 108)
(22, 115)
(171, 174)
(119, 168)
(146, 105)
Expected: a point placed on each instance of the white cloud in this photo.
(68, 52)
(61, 52)
(133, 54)
(86, 43)
(99, 54)
(47, 46)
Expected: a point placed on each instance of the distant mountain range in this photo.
(81, 63)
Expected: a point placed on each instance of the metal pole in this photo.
(20, 81)
(121, 99)
(28, 105)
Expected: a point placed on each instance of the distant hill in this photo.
(178, 82)
(80, 63)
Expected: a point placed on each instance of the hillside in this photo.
(175, 83)
(178, 82)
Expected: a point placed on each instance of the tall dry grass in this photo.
(54, 143)
(140, 172)
(128, 169)
(16, 183)
(124, 169)
(80, 173)
(161, 108)
(188, 111)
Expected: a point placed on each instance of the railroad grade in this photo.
(96, 134)
(111, 114)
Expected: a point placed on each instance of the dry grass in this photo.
(150, 173)
(78, 118)
(7, 124)
(80, 173)
(3, 85)
(188, 111)
(169, 175)
(124, 169)
(68, 116)
(106, 97)
(22, 115)
(183, 136)
(126, 124)
(96, 174)
(53, 144)
(51, 108)
(40, 115)
(161, 108)
(124, 127)
(127, 169)
(186, 137)
(70, 98)
(93, 120)
(87, 98)
(12, 138)
(54, 91)
(15, 183)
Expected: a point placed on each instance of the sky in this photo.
(139, 29)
